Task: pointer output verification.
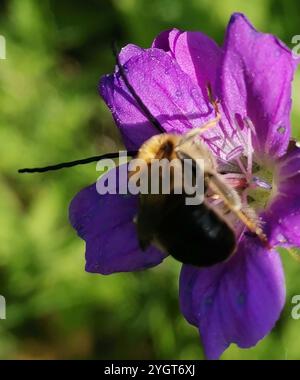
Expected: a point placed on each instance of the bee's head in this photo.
(159, 147)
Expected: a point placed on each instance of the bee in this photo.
(201, 235)
(197, 234)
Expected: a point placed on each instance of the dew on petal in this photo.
(281, 129)
(195, 93)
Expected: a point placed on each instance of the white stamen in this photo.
(241, 166)
(261, 183)
(236, 152)
(240, 133)
(249, 153)
(233, 175)
(249, 124)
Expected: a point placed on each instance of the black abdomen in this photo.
(194, 234)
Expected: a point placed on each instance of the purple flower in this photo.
(251, 74)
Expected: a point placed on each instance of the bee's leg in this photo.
(232, 200)
(199, 131)
(218, 186)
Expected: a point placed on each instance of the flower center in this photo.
(255, 187)
(252, 180)
(260, 189)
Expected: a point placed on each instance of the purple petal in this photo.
(105, 222)
(201, 58)
(283, 213)
(257, 73)
(165, 40)
(197, 55)
(168, 92)
(235, 302)
(128, 52)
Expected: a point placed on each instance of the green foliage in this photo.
(51, 112)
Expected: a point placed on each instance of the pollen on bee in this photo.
(159, 147)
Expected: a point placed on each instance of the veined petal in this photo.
(105, 222)
(256, 82)
(201, 58)
(234, 302)
(197, 55)
(170, 95)
(283, 213)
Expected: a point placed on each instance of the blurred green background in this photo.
(50, 112)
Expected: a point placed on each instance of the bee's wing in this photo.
(149, 217)
(152, 206)
(196, 150)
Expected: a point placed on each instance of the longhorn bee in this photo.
(199, 234)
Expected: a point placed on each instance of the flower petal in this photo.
(234, 302)
(197, 55)
(283, 213)
(128, 52)
(166, 39)
(256, 82)
(201, 58)
(105, 222)
(168, 92)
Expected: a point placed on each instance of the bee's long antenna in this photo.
(75, 163)
(140, 103)
(152, 119)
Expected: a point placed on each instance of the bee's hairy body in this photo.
(200, 234)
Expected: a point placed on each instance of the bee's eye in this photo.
(167, 148)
